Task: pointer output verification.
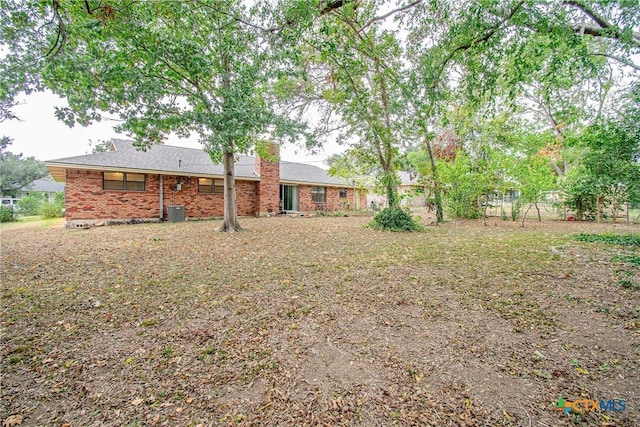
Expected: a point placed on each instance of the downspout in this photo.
(161, 198)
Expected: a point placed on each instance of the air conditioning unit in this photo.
(176, 213)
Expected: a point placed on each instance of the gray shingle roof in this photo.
(187, 161)
(44, 185)
(157, 158)
(299, 172)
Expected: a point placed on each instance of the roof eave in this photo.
(315, 183)
(58, 169)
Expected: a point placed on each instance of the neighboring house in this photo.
(410, 190)
(125, 183)
(48, 188)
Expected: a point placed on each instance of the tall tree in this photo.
(355, 165)
(436, 148)
(610, 170)
(17, 171)
(496, 46)
(359, 61)
(535, 177)
(180, 67)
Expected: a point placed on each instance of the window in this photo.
(123, 181)
(319, 194)
(343, 193)
(210, 185)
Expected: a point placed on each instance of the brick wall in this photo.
(85, 198)
(334, 201)
(268, 189)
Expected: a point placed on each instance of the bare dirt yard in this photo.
(318, 321)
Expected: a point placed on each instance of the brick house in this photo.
(125, 183)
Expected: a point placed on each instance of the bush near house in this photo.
(55, 209)
(395, 219)
(51, 210)
(6, 213)
(30, 205)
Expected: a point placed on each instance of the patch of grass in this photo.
(15, 359)
(330, 213)
(629, 284)
(29, 218)
(630, 239)
(33, 221)
(149, 322)
(627, 259)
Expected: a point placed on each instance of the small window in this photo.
(123, 181)
(318, 194)
(343, 193)
(210, 186)
(134, 181)
(113, 181)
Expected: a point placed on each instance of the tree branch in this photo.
(605, 32)
(394, 11)
(619, 59)
(590, 13)
(61, 32)
(492, 30)
(603, 29)
(332, 5)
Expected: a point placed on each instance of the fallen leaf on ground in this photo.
(13, 420)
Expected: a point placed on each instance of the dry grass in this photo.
(316, 321)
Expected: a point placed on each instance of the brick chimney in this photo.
(268, 188)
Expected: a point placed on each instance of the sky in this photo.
(40, 134)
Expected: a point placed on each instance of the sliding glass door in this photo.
(288, 198)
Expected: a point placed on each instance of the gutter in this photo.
(313, 183)
(161, 198)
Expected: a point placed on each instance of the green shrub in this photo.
(515, 210)
(29, 205)
(629, 259)
(395, 220)
(6, 213)
(58, 198)
(51, 210)
(630, 239)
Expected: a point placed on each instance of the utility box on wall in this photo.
(176, 213)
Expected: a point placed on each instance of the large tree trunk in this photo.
(525, 214)
(485, 207)
(580, 211)
(436, 181)
(615, 205)
(391, 188)
(230, 223)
